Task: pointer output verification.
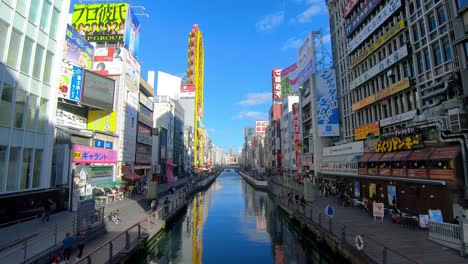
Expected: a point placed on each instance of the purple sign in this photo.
(368, 7)
(85, 154)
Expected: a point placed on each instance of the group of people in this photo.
(115, 217)
(70, 242)
(297, 200)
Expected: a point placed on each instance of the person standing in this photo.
(166, 206)
(80, 242)
(67, 243)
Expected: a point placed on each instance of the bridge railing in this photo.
(355, 241)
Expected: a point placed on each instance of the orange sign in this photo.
(364, 102)
(384, 93)
(400, 86)
(363, 131)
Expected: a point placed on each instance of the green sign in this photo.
(101, 171)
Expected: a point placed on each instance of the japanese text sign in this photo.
(71, 82)
(276, 83)
(398, 143)
(363, 131)
(91, 155)
(260, 126)
(77, 50)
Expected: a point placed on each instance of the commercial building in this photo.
(31, 34)
(290, 132)
(400, 91)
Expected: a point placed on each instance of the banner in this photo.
(349, 7)
(90, 155)
(143, 154)
(132, 34)
(132, 73)
(363, 131)
(372, 191)
(77, 50)
(362, 14)
(108, 61)
(71, 82)
(101, 22)
(105, 121)
(145, 116)
(327, 104)
(97, 172)
(357, 190)
(276, 84)
(289, 80)
(144, 135)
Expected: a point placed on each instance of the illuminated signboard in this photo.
(276, 84)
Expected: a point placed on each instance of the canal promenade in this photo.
(383, 241)
(36, 241)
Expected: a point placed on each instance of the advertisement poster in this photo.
(357, 189)
(90, 155)
(289, 80)
(101, 22)
(77, 50)
(71, 82)
(378, 210)
(372, 191)
(98, 91)
(108, 61)
(391, 195)
(436, 216)
(132, 34)
(99, 120)
(132, 74)
(327, 104)
(305, 53)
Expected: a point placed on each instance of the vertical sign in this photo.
(260, 126)
(297, 136)
(327, 104)
(276, 83)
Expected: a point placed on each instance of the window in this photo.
(19, 107)
(48, 67)
(25, 169)
(415, 33)
(3, 150)
(3, 32)
(45, 17)
(441, 15)
(38, 61)
(447, 49)
(22, 6)
(54, 23)
(26, 55)
(13, 169)
(13, 50)
(34, 11)
(427, 59)
(37, 168)
(462, 4)
(31, 112)
(6, 100)
(420, 63)
(42, 122)
(432, 22)
(437, 54)
(423, 29)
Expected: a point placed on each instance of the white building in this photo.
(287, 133)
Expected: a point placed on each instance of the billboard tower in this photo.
(195, 76)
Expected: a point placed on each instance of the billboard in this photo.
(67, 119)
(101, 22)
(71, 82)
(132, 34)
(361, 15)
(187, 91)
(276, 84)
(77, 50)
(327, 104)
(99, 120)
(289, 80)
(132, 73)
(349, 7)
(260, 126)
(305, 53)
(248, 131)
(91, 155)
(108, 61)
(98, 91)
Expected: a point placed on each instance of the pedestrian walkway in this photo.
(413, 243)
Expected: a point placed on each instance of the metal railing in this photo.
(342, 234)
(451, 235)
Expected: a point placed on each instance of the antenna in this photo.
(323, 58)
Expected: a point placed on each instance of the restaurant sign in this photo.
(363, 131)
(90, 155)
(397, 143)
(399, 132)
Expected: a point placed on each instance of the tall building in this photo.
(32, 36)
(195, 76)
(400, 92)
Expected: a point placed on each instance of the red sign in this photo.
(187, 90)
(296, 122)
(349, 7)
(276, 84)
(260, 126)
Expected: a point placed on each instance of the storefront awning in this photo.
(388, 156)
(420, 154)
(365, 157)
(401, 155)
(445, 153)
(375, 157)
(342, 158)
(133, 177)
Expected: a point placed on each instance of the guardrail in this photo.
(450, 235)
(355, 241)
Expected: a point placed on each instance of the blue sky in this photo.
(244, 40)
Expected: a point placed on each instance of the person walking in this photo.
(166, 206)
(154, 205)
(303, 203)
(80, 242)
(47, 205)
(67, 243)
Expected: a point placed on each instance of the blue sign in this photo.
(329, 211)
(108, 145)
(99, 143)
(327, 104)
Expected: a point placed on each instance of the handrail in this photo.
(17, 221)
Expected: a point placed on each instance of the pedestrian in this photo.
(80, 242)
(166, 206)
(67, 243)
(154, 205)
(296, 198)
(290, 197)
(46, 215)
(303, 203)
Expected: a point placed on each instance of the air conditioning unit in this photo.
(457, 120)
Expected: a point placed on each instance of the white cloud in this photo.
(256, 99)
(306, 16)
(292, 43)
(270, 21)
(252, 115)
(326, 39)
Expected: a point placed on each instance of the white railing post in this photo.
(462, 239)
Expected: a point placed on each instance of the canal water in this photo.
(231, 222)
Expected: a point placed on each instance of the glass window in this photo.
(437, 54)
(415, 33)
(13, 169)
(428, 59)
(37, 168)
(38, 61)
(441, 15)
(13, 50)
(45, 17)
(3, 150)
(20, 101)
(432, 22)
(54, 23)
(462, 3)
(3, 32)
(447, 49)
(420, 63)
(25, 169)
(31, 112)
(42, 124)
(27, 55)
(6, 101)
(34, 11)
(465, 46)
(423, 29)
(48, 67)
(22, 6)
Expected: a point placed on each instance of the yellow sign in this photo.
(392, 89)
(363, 131)
(102, 120)
(397, 143)
(364, 102)
(386, 37)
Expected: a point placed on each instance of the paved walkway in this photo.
(47, 234)
(413, 243)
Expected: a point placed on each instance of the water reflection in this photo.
(233, 223)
